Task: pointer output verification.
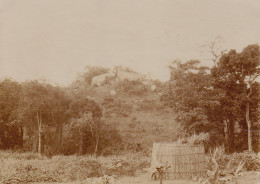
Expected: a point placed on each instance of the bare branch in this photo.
(214, 48)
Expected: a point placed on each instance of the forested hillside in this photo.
(122, 113)
(131, 103)
(112, 110)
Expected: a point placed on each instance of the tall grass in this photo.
(30, 167)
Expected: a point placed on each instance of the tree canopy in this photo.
(215, 100)
(39, 117)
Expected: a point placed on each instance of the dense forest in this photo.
(99, 118)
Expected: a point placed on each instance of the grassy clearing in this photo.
(30, 167)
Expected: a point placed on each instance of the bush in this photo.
(108, 136)
(147, 105)
(29, 174)
(208, 140)
(251, 160)
(112, 150)
(20, 155)
(16, 169)
(121, 167)
(135, 87)
(119, 107)
(197, 139)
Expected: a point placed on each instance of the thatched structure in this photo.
(186, 161)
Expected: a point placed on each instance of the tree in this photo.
(193, 99)
(35, 109)
(11, 133)
(236, 74)
(86, 120)
(214, 48)
(59, 112)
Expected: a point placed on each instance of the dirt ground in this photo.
(252, 177)
(244, 178)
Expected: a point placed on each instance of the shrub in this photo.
(135, 87)
(26, 173)
(107, 100)
(147, 105)
(20, 155)
(251, 160)
(16, 169)
(112, 150)
(121, 167)
(205, 139)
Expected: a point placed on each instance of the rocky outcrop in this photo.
(116, 75)
(100, 79)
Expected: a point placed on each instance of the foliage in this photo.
(235, 74)
(229, 163)
(194, 100)
(29, 174)
(126, 148)
(10, 135)
(160, 173)
(229, 167)
(39, 117)
(135, 87)
(17, 169)
(198, 139)
(147, 105)
(120, 107)
(251, 160)
(214, 101)
(109, 139)
(188, 88)
(223, 168)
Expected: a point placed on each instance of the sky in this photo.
(56, 39)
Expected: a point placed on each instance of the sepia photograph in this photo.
(129, 92)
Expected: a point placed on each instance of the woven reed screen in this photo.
(186, 161)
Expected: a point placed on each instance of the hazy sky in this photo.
(56, 39)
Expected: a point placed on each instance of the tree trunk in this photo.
(60, 134)
(39, 133)
(226, 136)
(40, 141)
(81, 141)
(21, 137)
(81, 145)
(96, 147)
(249, 128)
(97, 135)
(231, 136)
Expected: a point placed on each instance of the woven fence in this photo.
(186, 161)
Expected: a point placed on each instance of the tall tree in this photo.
(35, 108)
(86, 119)
(11, 133)
(193, 99)
(236, 74)
(59, 112)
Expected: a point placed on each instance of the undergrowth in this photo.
(30, 167)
